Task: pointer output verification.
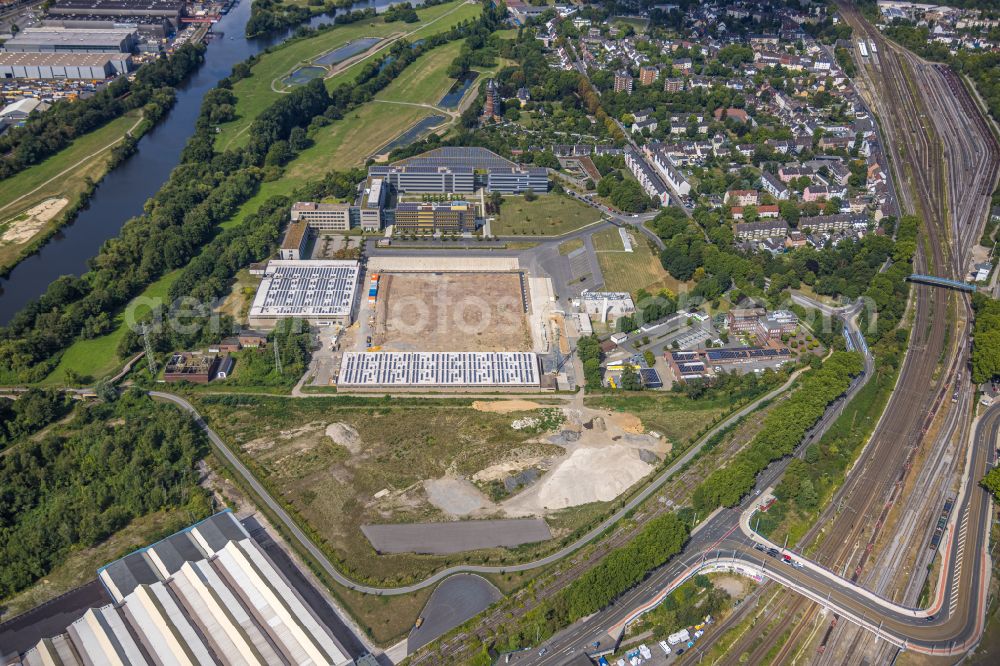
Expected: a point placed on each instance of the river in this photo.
(123, 192)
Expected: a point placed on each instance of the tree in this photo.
(629, 380)
(991, 482)
(529, 195)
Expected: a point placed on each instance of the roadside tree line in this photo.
(45, 134)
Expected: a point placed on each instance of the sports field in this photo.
(255, 93)
(548, 215)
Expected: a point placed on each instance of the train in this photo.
(941, 523)
(874, 48)
(863, 48)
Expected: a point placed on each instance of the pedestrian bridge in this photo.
(942, 282)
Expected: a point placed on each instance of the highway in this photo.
(875, 524)
(919, 416)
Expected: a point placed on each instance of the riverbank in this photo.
(37, 202)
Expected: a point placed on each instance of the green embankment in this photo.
(64, 175)
(97, 357)
(257, 92)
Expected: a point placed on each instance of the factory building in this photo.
(423, 217)
(120, 10)
(320, 292)
(51, 39)
(154, 27)
(205, 595)
(373, 370)
(460, 169)
(96, 66)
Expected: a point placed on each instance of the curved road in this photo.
(318, 555)
(720, 544)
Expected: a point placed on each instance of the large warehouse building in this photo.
(95, 66)
(380, 370)
(320, 292)
(461, 169)
(206, 595)
(120, 10)
(52, 39)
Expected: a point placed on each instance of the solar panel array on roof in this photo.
(746, 353)
(439, 369)
(306, 288)
(457, 156)
(681, 356)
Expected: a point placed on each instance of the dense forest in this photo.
(152, 90)
(205, 189)
(986, 339)
(79, 484)
(32, 411)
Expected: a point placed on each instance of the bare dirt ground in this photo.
(23, 228)
(586, 475)
(451, 312)
(505, 406)
(456, 496)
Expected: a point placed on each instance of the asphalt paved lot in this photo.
(51, 618)
(453, 602)
(456, 537)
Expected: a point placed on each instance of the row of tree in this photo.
(205, 189)
(783, 429)
(661, 538)
(44, 134)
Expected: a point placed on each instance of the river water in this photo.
(123, 192)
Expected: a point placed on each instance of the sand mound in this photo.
(505, 406)
(344, 435)
(627, 422)
(586, 475)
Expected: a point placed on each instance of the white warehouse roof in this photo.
(228, 604)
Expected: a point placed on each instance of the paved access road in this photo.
(940, 629)
(328, 567)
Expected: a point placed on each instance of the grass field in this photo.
(425, 81)
(255, 93)
(97, 357)
(331, 485)
(83, 159)
(569, 246)
(548, 215)
(678, 418)
(631, 271)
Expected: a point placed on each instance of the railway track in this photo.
(852, 526)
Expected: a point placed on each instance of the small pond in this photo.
(454, 96)
(303, 75)
(347, 50)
